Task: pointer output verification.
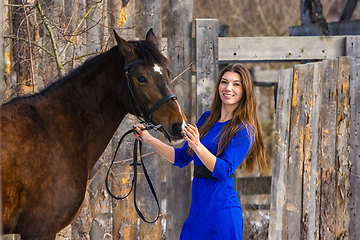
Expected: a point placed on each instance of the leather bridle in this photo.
(145, 119)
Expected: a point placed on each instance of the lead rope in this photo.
(134, 164)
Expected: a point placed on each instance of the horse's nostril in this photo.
(176, 128)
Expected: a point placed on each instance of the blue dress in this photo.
(215, 211)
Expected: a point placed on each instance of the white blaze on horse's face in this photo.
(157, 68)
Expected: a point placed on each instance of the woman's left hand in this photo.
(192, 136)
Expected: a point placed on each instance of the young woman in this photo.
(229, 136)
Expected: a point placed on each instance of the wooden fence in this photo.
(311, 176)
(316, 136)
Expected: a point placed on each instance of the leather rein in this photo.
(145, 118)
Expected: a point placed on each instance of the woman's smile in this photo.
(230, 88)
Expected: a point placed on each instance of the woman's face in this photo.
(230, 89)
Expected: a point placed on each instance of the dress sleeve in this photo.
(234, 154)
(182, 155)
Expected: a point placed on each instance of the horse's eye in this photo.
(142, 80)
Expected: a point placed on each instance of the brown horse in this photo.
(51, 140)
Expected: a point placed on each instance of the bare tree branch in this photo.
(30, 52)
(52, 39)
(79, 24)
(32, 43)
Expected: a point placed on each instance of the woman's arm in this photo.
(207, 158)
(163, 149)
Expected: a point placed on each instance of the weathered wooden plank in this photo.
(253, 185)
(347, 27)
(125, 218)
(342, 149)
(314, 208)
(328, 149)
(101, 203)
(353, 50)
(296, 155)
(280, 166)
(280, 48)
(179, 53)
(308, 104)
(150, 17)
(207, 64)
(95, 219)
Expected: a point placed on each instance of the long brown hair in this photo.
(245, 113)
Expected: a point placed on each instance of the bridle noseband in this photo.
(145, 118)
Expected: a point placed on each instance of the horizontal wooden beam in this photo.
(280, 48)
(248, 49)
(253, 185)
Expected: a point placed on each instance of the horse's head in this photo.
(148, 85)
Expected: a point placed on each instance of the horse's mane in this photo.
(149, 52)
(89, 68)
(146, 50)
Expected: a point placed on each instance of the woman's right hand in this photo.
(163, 149)
(142, 135)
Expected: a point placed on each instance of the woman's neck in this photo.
(226, 114)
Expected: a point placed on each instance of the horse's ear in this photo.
(150, 36)
(126, 49)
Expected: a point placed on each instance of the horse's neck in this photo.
(90, 109)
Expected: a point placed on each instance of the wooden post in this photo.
(207, 62)
(151, 18)
(296, 155)
(95, 219)
(178, 181)
(280, 166)
(328, 149)
(99, 201)
(353, 50)
(125, 219)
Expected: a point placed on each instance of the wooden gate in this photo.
(310, 192)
